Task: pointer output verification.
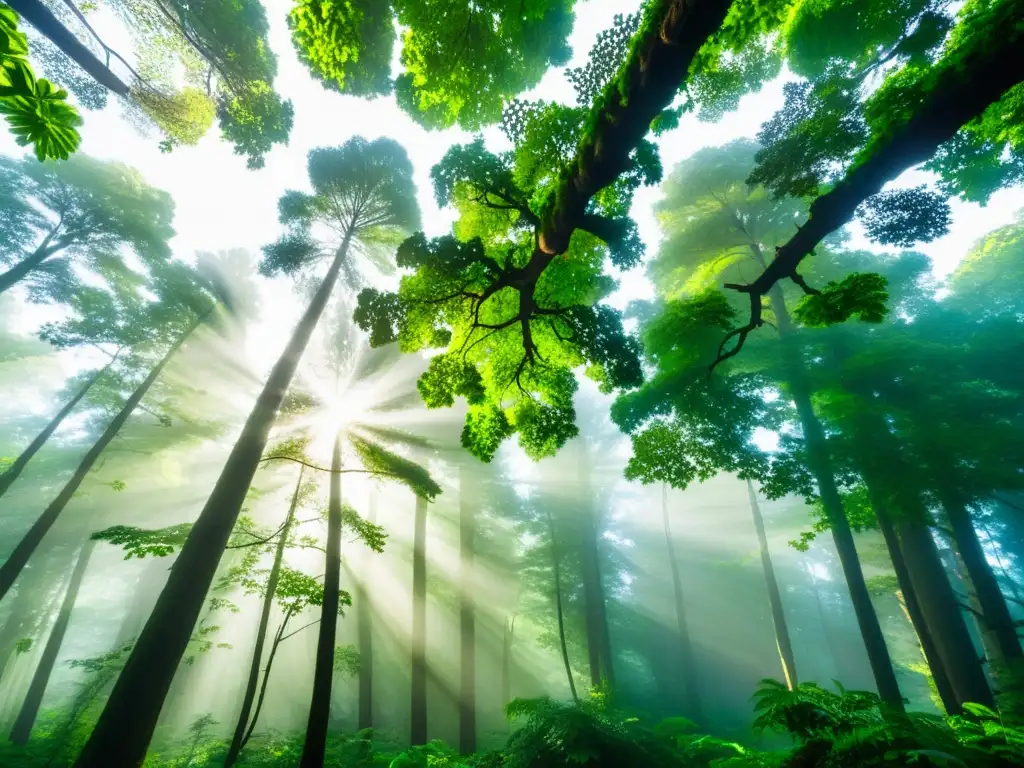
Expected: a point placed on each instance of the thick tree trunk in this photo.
(467, 619)
(125, 727)
(418, 720)
(323, 674)
(33, 261)
(560, 616)
(23, 551)
(912, 603)
(261, 631)
(364, 611)
(820, 465)
(12, 473)
(48, 25)
(691, 695)
(22, 729)
(782, 641)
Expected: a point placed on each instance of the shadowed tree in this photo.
(82, 211)
(363, 193)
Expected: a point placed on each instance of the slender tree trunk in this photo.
(555, 559)
(782, 641)
(278, 639)
(507, 637)
(364, 611)
(467, 619)
(23, 551)
(125, 727)
(598, 638)
(315, 748)
(691, 696)
(912, 604)
(820, 465)
(261, 631)
(22, 729)
(12, 473)
(26, 605)
(48, 25)
(419, 626)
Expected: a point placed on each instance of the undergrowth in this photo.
(829, 729)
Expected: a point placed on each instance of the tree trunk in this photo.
(125, 727)
(820, 465)
(278, 639)
(941, 612)
(995, 612)
(558, 608)
(418, 723)
(21, 270)
(12, 473)
(364, 611)
(261, 631)
(782, 641)
(507, 637)
(596, 616)
(22, 729)
(48, 25)
(691, 696)
(315, 748)
(23, 551)
(912, 603)
(467, 620)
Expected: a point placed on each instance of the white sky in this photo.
(220, 204)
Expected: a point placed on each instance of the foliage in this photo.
(184, 117)
(604, 59)
(347, 44)
(465, 60)
(140, 542)
(362, 190)
(904, 217)
(346, 660)
(860, 295)
(254, 119)
(378, 460)
(36, 112)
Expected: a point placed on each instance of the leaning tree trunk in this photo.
(261, 631)
(125, 727)
(467, 618)
(559, 614)
(12, 473)
(820, 465)
(418, 720)
(48, 25)
(315, 748)
(22, 729)
(364, 616)
(28, 544)
(686, 656)
(782, 641)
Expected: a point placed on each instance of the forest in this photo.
(511, 383)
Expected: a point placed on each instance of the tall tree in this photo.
(83, 211)
(418, 692)
(686, 658)
(363, 191)
(468, 500)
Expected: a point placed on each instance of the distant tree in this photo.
(184, 303)
(83, 210)
(363, 191)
